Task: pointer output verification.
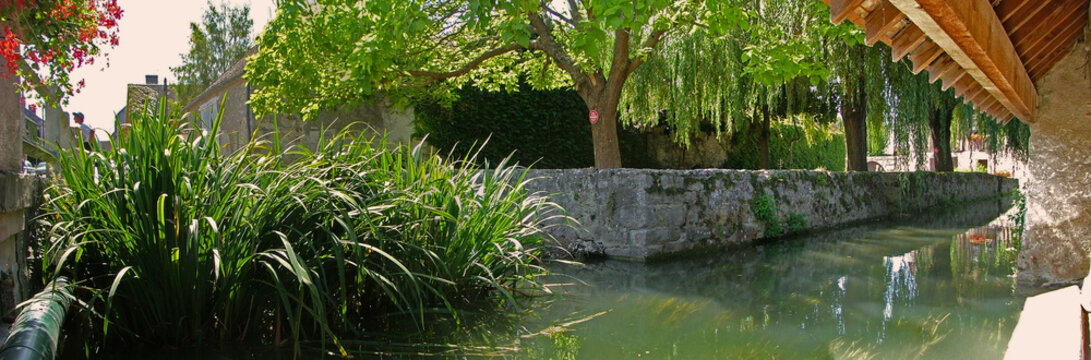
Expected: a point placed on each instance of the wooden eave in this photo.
(992, 53)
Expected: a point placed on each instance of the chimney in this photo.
(151, 79)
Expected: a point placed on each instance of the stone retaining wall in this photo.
(639, 214)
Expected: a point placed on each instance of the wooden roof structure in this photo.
(991, 52)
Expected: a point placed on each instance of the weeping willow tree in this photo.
(925, 118)
(741, 82)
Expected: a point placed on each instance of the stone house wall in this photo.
(641, 214)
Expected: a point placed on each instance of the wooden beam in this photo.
(906, 40)
(974, 97)
(1030, 36)
(981, 99)
(1035, 13)
(938, 67)
(963, 85)
(880, 21)
(1059, 38)
(1007, 9)
(1043, 64)
(1006, 119)
(953, 76)
(840, 9)
(995, 108)
(970, 33)
(924, 55)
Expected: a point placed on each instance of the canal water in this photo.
(937, 285)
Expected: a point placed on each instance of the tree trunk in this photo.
(940, 121)
(604, 132)
(604, 136)
(763, 139)
(854, 120)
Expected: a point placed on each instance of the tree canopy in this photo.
(222, 37)
(337, 54)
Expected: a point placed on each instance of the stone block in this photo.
(671, 216)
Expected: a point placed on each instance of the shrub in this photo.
(177, 243)
(796, 222)
(765, 211)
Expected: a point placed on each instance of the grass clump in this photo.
(172, 242)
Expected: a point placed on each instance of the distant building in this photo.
(143, 97)
(240, 125)
(34, 144)
(968, 154)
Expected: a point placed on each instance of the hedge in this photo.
(545, 127)
(549, 128)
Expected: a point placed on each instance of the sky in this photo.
(153, 35)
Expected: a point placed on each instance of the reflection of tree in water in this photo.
(984, 252)
(901, 285)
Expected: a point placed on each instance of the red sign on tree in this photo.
(594, 117)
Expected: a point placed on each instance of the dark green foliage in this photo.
(765, 211)
(796, 222)
(548, 128)
(789, 148)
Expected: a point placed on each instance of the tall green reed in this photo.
(174, 242)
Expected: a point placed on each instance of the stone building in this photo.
(240, 125)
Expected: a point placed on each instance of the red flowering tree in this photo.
(42, 41)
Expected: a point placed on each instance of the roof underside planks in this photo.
(991, 53)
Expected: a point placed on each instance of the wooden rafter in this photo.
(841, 9)
(963, 84)
(1060, 37)
(880, 21)
(1029, 36)
(908, 39)
(924, 55)
(1060, 49)
(940, 66)
(1032, 15)
(970, 32)
(1007, 9)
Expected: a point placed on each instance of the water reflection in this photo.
(901, 284)
(924, 286)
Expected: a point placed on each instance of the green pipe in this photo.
(37, 330)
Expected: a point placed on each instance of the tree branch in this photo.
(469, 66)
(575, 9)
(619, 66)
(546, 44)
(556, 14)
(652, 41)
